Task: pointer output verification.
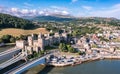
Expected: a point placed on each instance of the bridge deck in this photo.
(25, 67)
(11, 61)
(9, 51)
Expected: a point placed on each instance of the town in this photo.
(59, 37)
(62, 49)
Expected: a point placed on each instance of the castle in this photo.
(43, 40)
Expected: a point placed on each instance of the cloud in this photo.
(116, 6)
(28, 4)
(58, 8)
(87, 7)
(113, 11)
(65, 13)
(41, 12)
(34, 12)
(1, 8)
(73, 1)
(14, 9)
(55, 11)
(60, 12)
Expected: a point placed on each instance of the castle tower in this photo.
(48, 35)
(40, 35)
(41, 41)
(30, 40)
(57, 35)
(64, 35)
(32, 36)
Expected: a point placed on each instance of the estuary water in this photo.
(93, 67)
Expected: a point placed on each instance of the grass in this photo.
(69, 54)
(18, 32)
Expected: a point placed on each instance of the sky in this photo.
(78, 8)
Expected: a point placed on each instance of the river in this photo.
(94, 67)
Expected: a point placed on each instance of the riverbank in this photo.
(105, 66)
(35, 69)
(66, 61)
(78, 60)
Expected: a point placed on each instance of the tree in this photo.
(60, 46)
(63, 47)
(6, 38)
(1, 40)
(23, 37)
(17, 38)
(51, 34)
(12, 39)
(81, 53)
(71, 49)
(8, 21)
(74, 33)
(68, 46)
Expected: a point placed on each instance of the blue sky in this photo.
(78, 8)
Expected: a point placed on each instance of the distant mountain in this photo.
(99, 20)
(77, 20)
(9, 21)
(57, 18)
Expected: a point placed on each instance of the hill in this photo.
(74, 20)
(50, 18)
(18, 32)
(8, 21)
(99, 20)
